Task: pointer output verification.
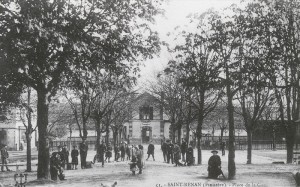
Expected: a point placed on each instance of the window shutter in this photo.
(151, 113)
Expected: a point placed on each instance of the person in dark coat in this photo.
(183, 148)
(83, 149)
(56, 167)
(65, 154)
(128, 152)
(223, 148)
(122, 149)
(150, 150)
(214, 165)
(100, 153)
(177, 154)
(74, 155)
(108, 153)
(170, 152)
(4, 157)
(164, 148)
(189, 156)
(117, 153)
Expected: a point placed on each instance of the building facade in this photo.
(12, 130)
(148, 121)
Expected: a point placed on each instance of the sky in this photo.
(176, 12)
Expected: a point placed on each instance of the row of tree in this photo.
(51, 46)
(246, 56)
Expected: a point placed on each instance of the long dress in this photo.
(214, 166)
(74, 155)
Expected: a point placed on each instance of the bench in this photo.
(16, 165)
(296, 157)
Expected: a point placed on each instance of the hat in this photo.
(214, 151)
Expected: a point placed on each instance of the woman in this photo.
(74, 155)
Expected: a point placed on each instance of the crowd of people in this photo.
(173, 153)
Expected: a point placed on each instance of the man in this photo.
(183, 148)
(164, 148)
(150, 150)
(83, 153)
(170, 152)
(4, 157)
(214, 165)
(102, 150)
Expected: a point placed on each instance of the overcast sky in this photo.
(176, 12)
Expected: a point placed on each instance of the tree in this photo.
(280, 27)
(26, 111)
(171, 95)
(225, 42)
(195, 60)
(42, 41)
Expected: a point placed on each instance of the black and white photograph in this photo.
(150, 93)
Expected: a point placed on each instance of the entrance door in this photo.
(146, 134)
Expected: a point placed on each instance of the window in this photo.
(146, 112)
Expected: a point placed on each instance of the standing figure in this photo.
(133, 164)
(164, 148)
(108, 153)
(189, 156)
(177, 154)
(65, 154)
(102, 150)
(83, 153)
(128, 151)
(122, 149)
(4, 157)
(150, 150)
(183, 148)
(214, 165)
(170, 152)
(223, 148)
(139, 156)
(117, 153)
(74, 155)
(56, 169)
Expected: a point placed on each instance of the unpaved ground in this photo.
(158, 174)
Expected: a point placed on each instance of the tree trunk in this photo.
(187, 138)
(222, 134)
(179, 134)
(231, 148)
(249, 149)
(199, 135)
(107, 134)
(28, 133)
(199, 150)
(98, 131)
(274, 139)
(28, 139)
(290, 139)
(43, 148)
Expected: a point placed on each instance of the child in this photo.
(133, 164)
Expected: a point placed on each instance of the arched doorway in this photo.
(146, 134)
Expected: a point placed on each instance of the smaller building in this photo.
(148, 121)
